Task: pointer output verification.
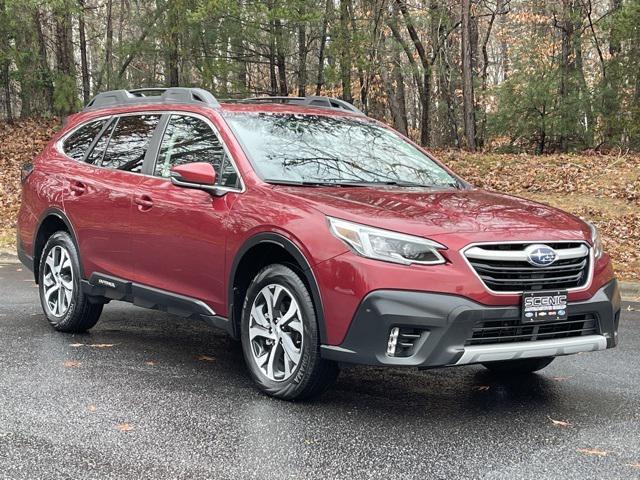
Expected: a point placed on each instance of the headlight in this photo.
(596, 240)
(385, 245)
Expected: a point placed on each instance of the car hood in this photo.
(471, 213)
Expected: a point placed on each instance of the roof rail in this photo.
(310, 101)
(117, 98)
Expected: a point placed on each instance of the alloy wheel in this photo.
(58, 281)
(276, 332)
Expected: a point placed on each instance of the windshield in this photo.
(307, 149)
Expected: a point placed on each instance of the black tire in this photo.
(313, 375)
(80, 314)
(522, 366)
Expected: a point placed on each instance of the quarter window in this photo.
(129, 140)
(77, 143)
(188, 140)
(95, 157)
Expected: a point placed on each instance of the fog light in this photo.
(393, 341)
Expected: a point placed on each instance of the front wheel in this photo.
(520, 366)
(280, 338)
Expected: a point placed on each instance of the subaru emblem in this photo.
(540, 255)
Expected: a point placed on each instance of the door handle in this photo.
(77, 188)
(144, 202)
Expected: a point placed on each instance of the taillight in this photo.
(26, 170)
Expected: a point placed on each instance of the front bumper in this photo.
(445, 322)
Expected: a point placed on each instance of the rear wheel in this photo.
(66, 307)
(524, 365)
(280, 339)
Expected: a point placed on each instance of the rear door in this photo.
(100, 196)
(181, 232)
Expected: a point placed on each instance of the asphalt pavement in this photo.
(150, 395)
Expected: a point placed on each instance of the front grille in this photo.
(504, 267)
(509, 331)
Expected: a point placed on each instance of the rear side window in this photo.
(188, 140)
(129, 141)
(95, 157)
(79, 141)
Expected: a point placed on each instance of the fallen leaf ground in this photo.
(602, 188)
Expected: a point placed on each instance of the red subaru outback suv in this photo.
(310, 232)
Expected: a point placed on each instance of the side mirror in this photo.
(199, 175)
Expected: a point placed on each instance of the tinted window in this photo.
(77, 143)
(95, 157)
(129, 142)
(188, 140)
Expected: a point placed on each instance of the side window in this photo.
(95, 157)
(77, 143)
(188, 140)
(129, 140)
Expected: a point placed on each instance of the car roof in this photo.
(166, 98)
(285, 108)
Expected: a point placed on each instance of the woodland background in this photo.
(487, 85)
(518, 75)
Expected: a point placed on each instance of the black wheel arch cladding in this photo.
(304, 268)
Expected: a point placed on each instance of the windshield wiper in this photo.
(305, 183)
(356, 183)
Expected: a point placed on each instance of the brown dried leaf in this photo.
(71, 364)
(92, 345)
(593, 452)
(124, 427)
(205, 358)
(151, 363)
(481, 388)
(559, 423)
(91, 408)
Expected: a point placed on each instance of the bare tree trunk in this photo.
(502, 8)
(302, 59)
(467, 78)
(302, 52)
(394, 85)
(567, 68)
(425, 93)
(5, 64)
(6, 82)
(64, 43)
(44, 70)
(273, 79)
(323, 43)
(84, 64)
(172, 74)
(345, 54)
(108, 54)
(281, 59)
(483, 80)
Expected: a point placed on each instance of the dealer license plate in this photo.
(544, 306)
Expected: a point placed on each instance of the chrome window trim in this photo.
(59, 143)
(524, 242)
